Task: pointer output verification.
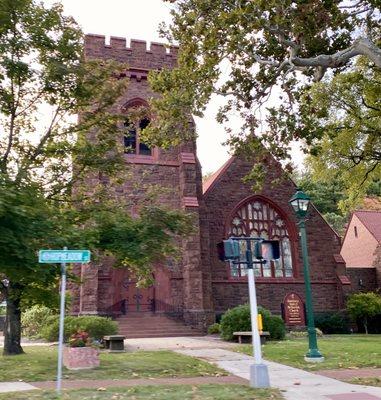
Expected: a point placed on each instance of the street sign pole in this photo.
(259, 375)
(62, 257)
(61, 329)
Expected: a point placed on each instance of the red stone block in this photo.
(80, 357)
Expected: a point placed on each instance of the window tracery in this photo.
(257, 218)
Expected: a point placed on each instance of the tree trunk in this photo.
(366, 325)
(12, 327)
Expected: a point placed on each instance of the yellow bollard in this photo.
(260, 323)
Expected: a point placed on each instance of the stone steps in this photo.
(151, 325)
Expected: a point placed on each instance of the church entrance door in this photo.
(128, 297)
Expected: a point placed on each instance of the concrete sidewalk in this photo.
(6, 387)
(177, 343)
(294, 383)
(151, 344)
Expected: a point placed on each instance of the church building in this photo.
(200, 287)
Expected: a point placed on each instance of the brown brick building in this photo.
(201, 286)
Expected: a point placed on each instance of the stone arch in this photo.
(259, 216)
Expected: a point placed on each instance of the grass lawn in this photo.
(340, 351)
(185, 392)
(40, 363)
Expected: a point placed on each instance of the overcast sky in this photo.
(139, 19)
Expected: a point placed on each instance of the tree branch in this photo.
(361, 46)
(37, 151)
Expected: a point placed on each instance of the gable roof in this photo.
(213, 179)
(372, 222)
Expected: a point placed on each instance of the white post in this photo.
(61, 331)
(254, 318)
(259, 375)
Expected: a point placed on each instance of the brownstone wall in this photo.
(271, 296)
(200, 282)
(362, 279)
(222, 197)
(137, 55)
(175, 174)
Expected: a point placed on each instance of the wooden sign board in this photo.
(294, 310)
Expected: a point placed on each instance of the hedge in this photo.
(96, 327)
(238, 319)
(332, 322)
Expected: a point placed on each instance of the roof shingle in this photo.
(372, 222)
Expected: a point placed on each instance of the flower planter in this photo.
(80, 357)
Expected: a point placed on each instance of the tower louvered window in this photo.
(257, 218)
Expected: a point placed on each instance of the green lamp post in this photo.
(300, 202)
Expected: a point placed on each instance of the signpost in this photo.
(263, 252)
(62, 257)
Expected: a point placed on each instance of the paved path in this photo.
(166, 343)
(347, 374)
(175, 343)
(15, 387)
(295, 384)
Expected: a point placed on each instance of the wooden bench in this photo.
(114, 342)
(263, 336)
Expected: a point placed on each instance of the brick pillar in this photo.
(343, 282)
(88, 303)
(197, 304)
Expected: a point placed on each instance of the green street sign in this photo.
(63, 256)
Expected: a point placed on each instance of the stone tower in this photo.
(182, 288)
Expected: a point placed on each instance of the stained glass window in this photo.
(257, 218)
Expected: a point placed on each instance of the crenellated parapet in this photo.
(137, 56)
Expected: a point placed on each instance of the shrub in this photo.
(214, 328)
(33, 320)
(332, 322)
(96, 327)
(238, 319)
(276, 327)
(363, 306)
(235, 319)
(80, 339)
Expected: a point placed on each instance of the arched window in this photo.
(258, 218)
(133, 125)
(132, 142)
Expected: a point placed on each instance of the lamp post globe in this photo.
(300, 204)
